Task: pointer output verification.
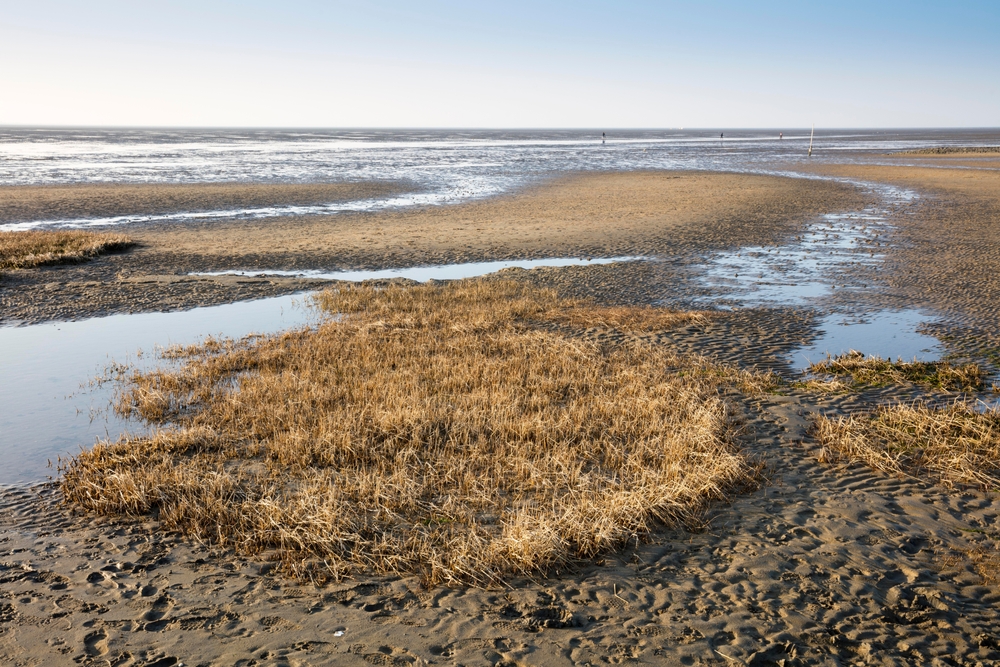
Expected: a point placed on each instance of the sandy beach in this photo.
(665, 215)
(822, 562)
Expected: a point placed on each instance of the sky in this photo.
(511, 64)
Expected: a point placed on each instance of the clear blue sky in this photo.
(715, 63)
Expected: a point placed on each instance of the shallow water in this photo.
(443, 166)
(888, 334)
(425, 273)
(47, 411)
(813, 265)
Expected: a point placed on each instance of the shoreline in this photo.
(669, 215)
(34, 203)
(826, 563)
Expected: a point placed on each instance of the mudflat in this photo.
(96, 200)
(945, 255)
(598, 214)
(824, 561)
(661, 214)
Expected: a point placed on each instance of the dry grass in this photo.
(951, 150)
(983, 559)
(437, 430)
(952, 445)
(638, 320)
(876, 371)
(20, 250)
(987, 563)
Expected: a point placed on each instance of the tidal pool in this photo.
(813, 264)
(888, 334)
(425, 273)
(47, 408)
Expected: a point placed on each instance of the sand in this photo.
(944, 256)
(95, 200)
(667, 215)
(825, 564)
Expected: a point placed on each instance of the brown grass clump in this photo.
(430, 429)
(875, 370)
(20, 250)
(638, 320)
(950, 150)
(984, 559)
(986, 563)
(953, 445)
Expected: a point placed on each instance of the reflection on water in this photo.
(42, 367)
(887, 334)
(425, 273)
(813, 265)
(45, 413)
(795, 273)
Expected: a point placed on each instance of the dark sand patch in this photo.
(25, 203)
(670, 215)
(944, 255)
(952, 150)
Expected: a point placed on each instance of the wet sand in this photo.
(95, 200)
(823, 565)
(666, 215)
(944, 256)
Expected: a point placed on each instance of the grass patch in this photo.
(438, 430)
(876, 371)
(952, 445)
(986, 563)
(21, 250)
(983, 559)
(951, 150)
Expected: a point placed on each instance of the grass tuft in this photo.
(950, 150)
(951, 445)
(21, 250)
(439, 430)
(876, 371)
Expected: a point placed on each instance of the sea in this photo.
(435, 166)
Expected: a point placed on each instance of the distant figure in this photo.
(781, 135)
(603, 137)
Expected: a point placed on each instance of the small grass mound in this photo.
(21, 250)
(952, 445)
(987, 563)
(876, 371)
(951, 150)
(437, 430)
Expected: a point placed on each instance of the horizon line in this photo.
(580, 128)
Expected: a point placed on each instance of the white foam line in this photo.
(425, 273)
(429, 199)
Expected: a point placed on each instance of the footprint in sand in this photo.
(96, 643)
(154, 617)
